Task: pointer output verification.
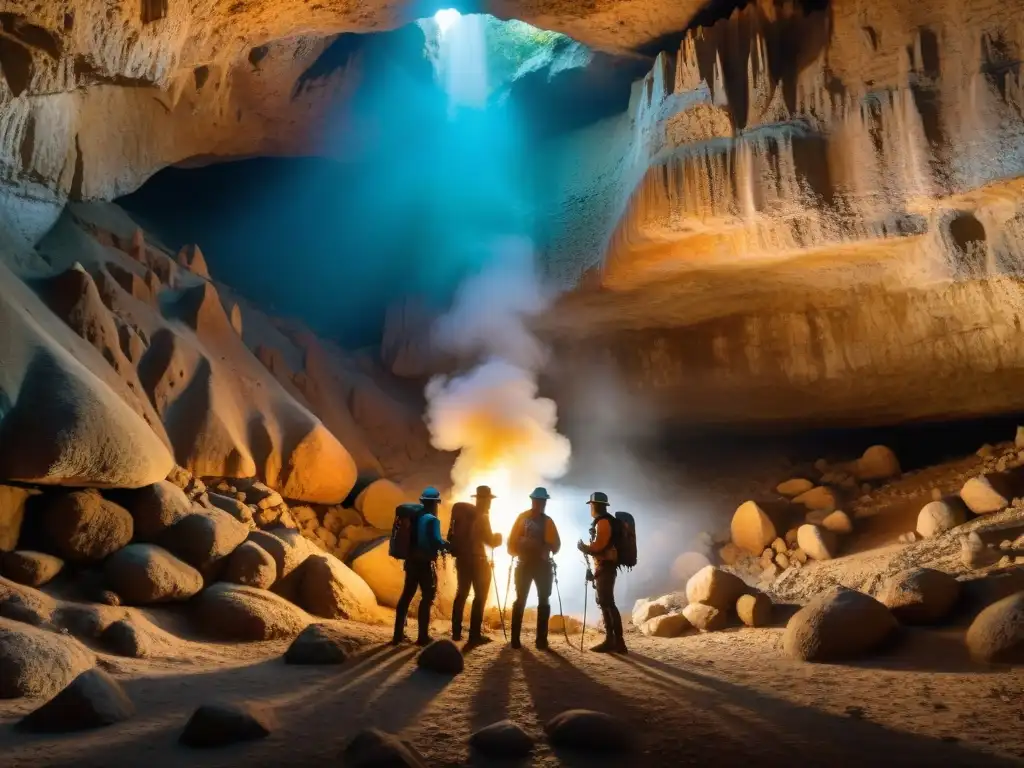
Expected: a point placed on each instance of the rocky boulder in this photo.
(381, 572)
(287, 551)
(644, 610)
(751, 528)
(32, 569)
(715, 587)
(204, 538)
(237, 509)
(323, 644)
(877, 463)
(754, 610)
(154, 508)
(997, 634)
(233, 612)
(584, 729)
(818, 499)
(92, 700)
(818, 543)
(794, 487)
(503, 740)
(669, 625)
(123, 638)
(250, 565)
(442, 657)
(216, 725)
(142, 574)
(838, 624)
(987, 493)
(920, 595)
(372, 748)
(83, 527)
(937, 517)
(837, 522)
(706, 618)
(378, 501)
(37, 663)
(12, 514)
(332, 590)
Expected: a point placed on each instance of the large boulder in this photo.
(83, 527)
(287, 550)
(382, 573)
(669, 625)
(124, 638)
(755, 609)
(233, 612)
(32, 569)
(704, 617)
(372, 748)
(332, 590)
(818, 543)
(378, 501)
(715, 587)
(818, 499)
(323, 644)
(37, 663)
(216, 725)
(794, 487)
(877, 463)
(997, 633)
(12, 514)
(644, 610)
(154, 508)
(937, 517)
(250, 565)
(838, 624)
(584, 729)
(987, 493)
(92, 700)
(204, 537)
(502, 741)
(920, 595)
(441, 656)
(751, 528)
(68, 417)
(837, 522)
(237, 509)
(142, 574)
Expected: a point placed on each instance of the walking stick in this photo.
(497, 601)
(561, 611)
(508, 584)
(586, 584)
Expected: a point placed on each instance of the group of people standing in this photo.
(532, 542)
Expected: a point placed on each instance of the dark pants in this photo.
(604, 587)
(419, 574)
(472, 572)
(528, 573)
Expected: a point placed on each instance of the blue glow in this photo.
(445, 18)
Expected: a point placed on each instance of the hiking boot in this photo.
(543, 616)
(398, 640)
(424, 640)
(517, 625)
(605, 646)
(620, 646)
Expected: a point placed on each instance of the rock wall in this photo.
(805, 217)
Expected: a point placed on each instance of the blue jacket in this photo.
(428, 535)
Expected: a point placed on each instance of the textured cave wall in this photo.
(811, 217)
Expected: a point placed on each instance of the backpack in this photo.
(403, 531)
(624, 535)
(460, 528)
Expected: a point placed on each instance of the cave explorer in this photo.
(533, 540)
(602, 547)
(468, 534)
(420, 570)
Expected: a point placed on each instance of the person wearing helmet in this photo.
(606, 563)
(469, 534)
(420, 571)
(533, 540)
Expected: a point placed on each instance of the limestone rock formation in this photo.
(92, 700)
(233, 612)
(322, 644)
(920, 595)
(839, 624)
(332, 590)
(378, 501)
(144, 573)
(204, 538)
(83, 527)
(215, 725)
(154, 508)
(250, 565)
(30, 568)
(997, 634)
(37, 663)
(715, 587)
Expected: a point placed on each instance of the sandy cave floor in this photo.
(722, 697)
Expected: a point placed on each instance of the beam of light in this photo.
(445, 18)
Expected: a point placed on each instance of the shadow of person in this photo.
(833, 740)
(403, 700)
(493, 696)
